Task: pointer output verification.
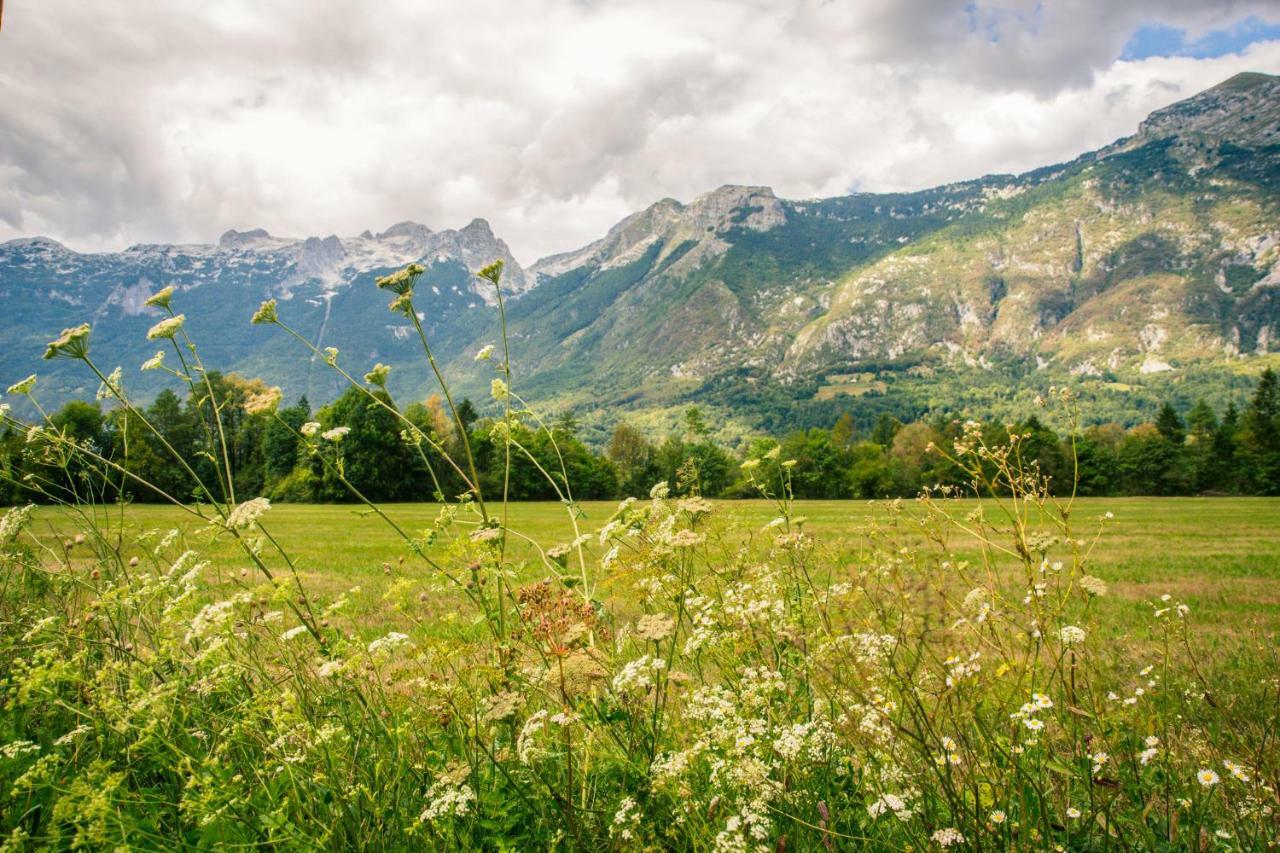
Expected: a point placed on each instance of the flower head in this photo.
(155, 362)
(486, 352)
(1093, 585)
(378, 376)
(263, 403)
(266, 312)
(247, 514)
(166, 328)
(1071, 635)
(492, 272)
(72, 343)
(24, 386)
(1208, 778)
(655, 627)
(336, 434)
(499, 389)
(310, 429)
(160, 299)
(401, 282)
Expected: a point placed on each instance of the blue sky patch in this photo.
(1163, 40)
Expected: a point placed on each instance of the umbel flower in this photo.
(263, 403)
(160, 299)
(266, 312)
(401, 282)
(492, 272)
(166, 328)
(72, 343)
(378, 376)
(23, 387)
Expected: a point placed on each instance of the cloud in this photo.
(551, 118)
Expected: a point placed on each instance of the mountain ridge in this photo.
(1157, 255)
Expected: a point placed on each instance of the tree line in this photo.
(294, 454)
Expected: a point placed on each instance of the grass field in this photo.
(1220, 555)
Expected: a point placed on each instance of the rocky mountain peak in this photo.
(234, 239)
(1244, 110)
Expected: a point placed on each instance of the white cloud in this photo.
(551, 118)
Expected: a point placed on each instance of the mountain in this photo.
(1149, 269)
(324, 285)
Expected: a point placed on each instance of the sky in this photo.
(175, 120)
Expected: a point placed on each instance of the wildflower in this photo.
(486, 352)
(155, 362)
(997, 817)
(626, 820)
(293, 633)
(160, 299)
(502, 706)
(1093, 585)
(499, 389)
(331, 355)
(266, 312)
(1073, 813)
(401, 282)
(492, 272)
(655, 627)
(393, 639)
(637, 675)
(1071, 635)
(1033, 724)
(247, 514)
(310, 429)
(948, 837)
(1207, 778)
(378, 376)
(1147, 754)
(486, 534)
(750, 464)
(329, 668)
(263, 403)
(23, 387)
(336, 434)
(72, 343)
(448, 799)
(660, 490)
(687, 539)
(1235, 770)
(111, 387)
(1099, 760)
(166, 328)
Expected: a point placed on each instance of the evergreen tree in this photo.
(1260, 436)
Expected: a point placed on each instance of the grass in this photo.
(1220, 555)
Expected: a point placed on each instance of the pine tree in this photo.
(1260, 436)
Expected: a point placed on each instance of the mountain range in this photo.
(1146, 270)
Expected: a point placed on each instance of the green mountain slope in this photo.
(1149, 269)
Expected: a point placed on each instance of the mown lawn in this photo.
(1219, 555)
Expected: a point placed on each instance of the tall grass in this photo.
(758, 690)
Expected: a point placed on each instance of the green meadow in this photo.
(1219, 555)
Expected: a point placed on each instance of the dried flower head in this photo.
(166, 328)
(655, 627)
(263, 403)
(72, 343)
(1093, 585)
